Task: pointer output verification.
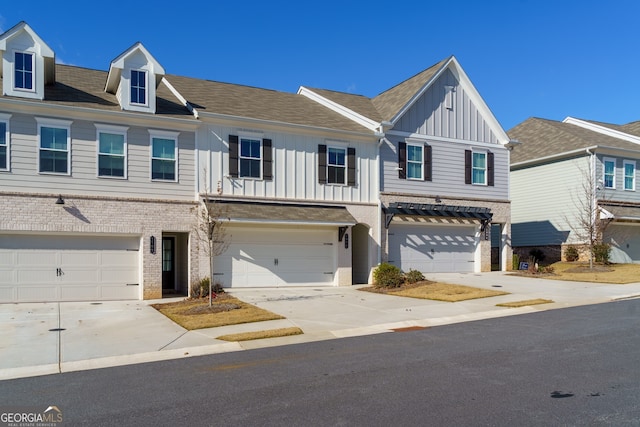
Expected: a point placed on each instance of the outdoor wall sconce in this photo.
(60, 200)
(341, 231)
(152, 244)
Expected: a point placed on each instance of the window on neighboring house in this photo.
(414, 161)
(609, 173)
(479, 168)
(336, 165)
(250, 157)
(54, 150)
(23, 71)
(4, 146)
(139, 87)
(112, 153)
(629, 175)
(164, 158)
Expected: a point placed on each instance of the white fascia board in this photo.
(117, 65)
(181, 98)
(45, 50)
(602, 129)
(340, 109)
(419, 136)
(558, 156)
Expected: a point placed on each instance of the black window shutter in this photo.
(322, 164)
(467, 166)
(427, 163)
(267, 160)
(490, 180)
(351, 166)
(402, 160)
(233, 156)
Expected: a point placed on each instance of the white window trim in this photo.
(421, 147)
(604, 164)
(146, 88)
(486, 166)
(624, 173)
(33, 72)
(59, 124)
(162, 134)
(5, 118)
(252, 136)
(114, 130)
(346, 163)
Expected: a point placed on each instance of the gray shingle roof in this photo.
(358, 103)
(542, 138)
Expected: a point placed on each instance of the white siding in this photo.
(24, 176)
(295, 168)
(543, 198)
(448, 172)
(432, 114)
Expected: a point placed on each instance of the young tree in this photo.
(210, 230)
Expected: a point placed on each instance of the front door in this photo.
(168, 263)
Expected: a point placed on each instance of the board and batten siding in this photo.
(618, 193)
(83, 180)
(434, 113)
(543, 199)
(448, 172)
(294, 167)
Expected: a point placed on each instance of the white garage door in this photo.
(270, 257)
(68, 268)
(432, 248)
(625, 243)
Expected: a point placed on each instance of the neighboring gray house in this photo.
(552, 172)
(100, 172)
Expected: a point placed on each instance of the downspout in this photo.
(378, 179)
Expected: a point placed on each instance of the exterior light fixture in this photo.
(60, 200)
(438, 199)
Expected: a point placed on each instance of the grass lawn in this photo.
(524, 303)
(270, 333)
(225, 310)
(579, 271)
(437, 291)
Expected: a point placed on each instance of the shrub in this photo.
(413, 276)
(602, 252)
(515, 262)
(537, 254)
(546, 270)
(571, 253)
(387, 276)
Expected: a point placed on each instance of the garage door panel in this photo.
(37, 293)
(42, 258)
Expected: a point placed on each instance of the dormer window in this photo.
(23, 71)
(138, 87)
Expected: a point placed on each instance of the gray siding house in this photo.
(562, 164)
(100, 172)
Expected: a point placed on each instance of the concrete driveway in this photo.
(45, 338)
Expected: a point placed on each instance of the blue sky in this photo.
(548, 59)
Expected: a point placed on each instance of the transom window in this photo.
(336, 165)
(54, 150)
(138, 87)
(250, 157)
(4, 146)
(164, 163)
(479, 168)
(629, 175)
(111, 154)
(23, 71)
(414, 161)
(609, 173)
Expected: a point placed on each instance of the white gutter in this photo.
(602, 130)
(554, 156)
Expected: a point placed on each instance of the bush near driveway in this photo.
(580, 272)
(436, 291)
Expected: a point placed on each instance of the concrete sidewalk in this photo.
(47, 338)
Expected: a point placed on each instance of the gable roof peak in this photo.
(118, 64)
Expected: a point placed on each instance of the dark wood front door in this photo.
(168, 263)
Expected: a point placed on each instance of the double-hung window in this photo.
(164, 156)
(54, 154)
(336, 165)
(112, 151)
(415, 161)
(250, 157)
(4, 142)
(23, 71)
(479, 168)
(609, 173)
(139, 87)
(629, 175)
